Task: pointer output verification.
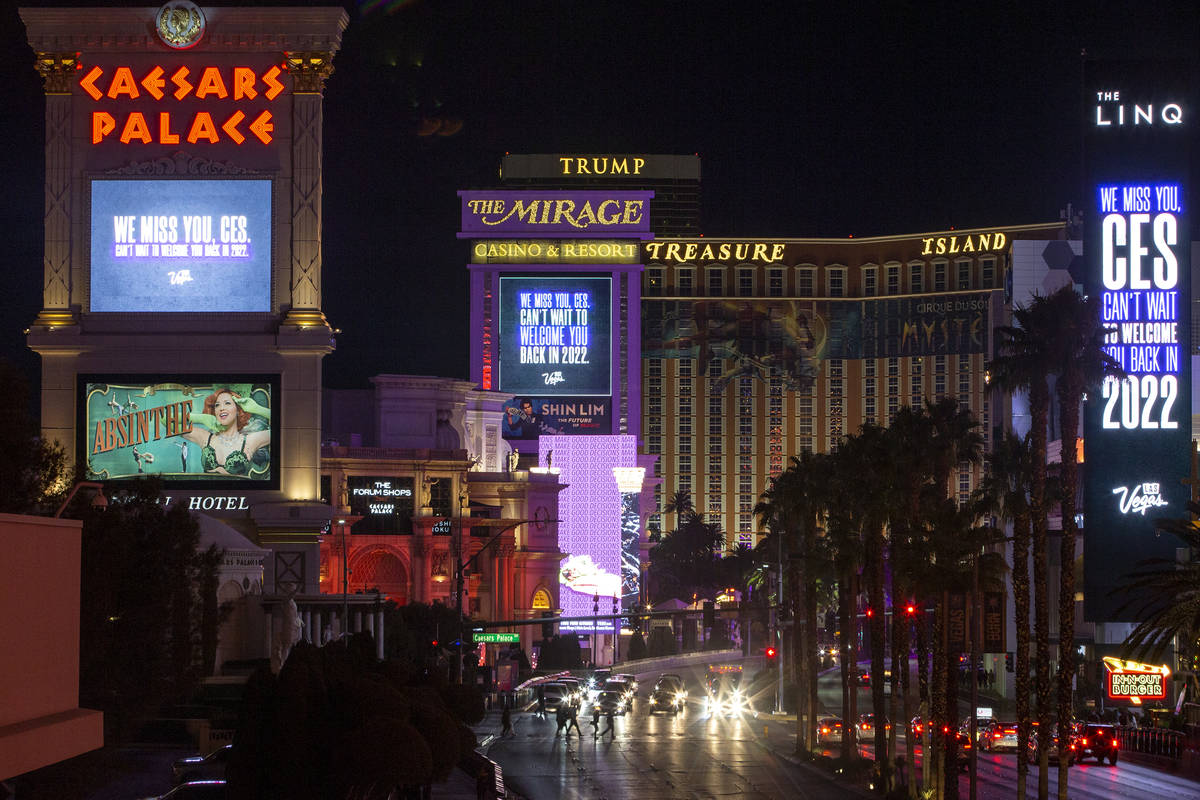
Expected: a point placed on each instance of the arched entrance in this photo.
(378, 568)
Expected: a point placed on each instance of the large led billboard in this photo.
(384, 503)
(531, 417)
(589, 531)
(555, 336)
(181, 245)
(1137, 246)
(189, 430)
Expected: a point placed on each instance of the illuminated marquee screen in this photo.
(189, 430)
(589, 531)
(555, 336)
(181, 245)
(384, 503)
(1137, 243)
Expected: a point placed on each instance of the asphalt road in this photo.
(697, 755)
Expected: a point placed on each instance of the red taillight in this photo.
(1083, 743)
(997, 735)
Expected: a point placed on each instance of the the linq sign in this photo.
(1137, 244)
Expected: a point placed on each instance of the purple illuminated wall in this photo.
(590, 530)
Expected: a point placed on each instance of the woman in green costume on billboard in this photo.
(229, 432)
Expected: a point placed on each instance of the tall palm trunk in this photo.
(1020, 584)
(1039, 404)
(1069, 401)
(846, 620)
(950, 728)
(810, 619)
(923, 688)
(937, 703)
(803, 640)
(878, 631)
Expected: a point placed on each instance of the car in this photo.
(963, 750)
(555, 694)
(918, 726)
(196, 790)
(617, 685)
(1054, 754)
(610, 700)
(1098, 741)
(668, 695)
(627, 678)
(866, 725)
(863, 678)
(726, 696)
(596, 680)
(829, 730)
(198, 768)
(998, 736)
(574, 694)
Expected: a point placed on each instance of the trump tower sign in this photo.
(1137, 242)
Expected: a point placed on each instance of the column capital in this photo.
(309, 71)
(57, 71)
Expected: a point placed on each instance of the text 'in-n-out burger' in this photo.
(164, 87)
(1133, 681)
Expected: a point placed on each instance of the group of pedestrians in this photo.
(567, 717)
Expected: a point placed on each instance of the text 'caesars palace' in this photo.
(617, 354)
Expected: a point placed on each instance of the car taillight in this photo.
(1083, 743)
(997, 736)
(824, 730)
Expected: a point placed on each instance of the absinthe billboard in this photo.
(1137, 245)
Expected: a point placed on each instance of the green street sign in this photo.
(497, 638)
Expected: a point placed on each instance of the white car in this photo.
(555, 694)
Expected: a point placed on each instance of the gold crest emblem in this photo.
(180, 24)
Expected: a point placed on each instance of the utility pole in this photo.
(779, 632)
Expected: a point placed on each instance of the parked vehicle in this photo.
(200, 768)
(998, 736)
(1098, 741)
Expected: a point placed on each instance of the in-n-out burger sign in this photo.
(1134, 681)
(165, 85)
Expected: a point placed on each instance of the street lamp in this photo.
(99, 501)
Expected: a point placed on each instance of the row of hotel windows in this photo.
(944, 275)
(835, 390)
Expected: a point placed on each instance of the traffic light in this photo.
(1008, 662)
(771, 653)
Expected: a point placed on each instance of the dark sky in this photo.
(809, 121)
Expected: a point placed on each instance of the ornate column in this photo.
(58, 70)
(309, 71)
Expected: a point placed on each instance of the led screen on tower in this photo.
(1137, 243)
(555, 336)
(181, 245)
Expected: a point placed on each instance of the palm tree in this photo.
(1165, 594)
(791, 508)
(1005, 488)
(1080, 364)
(1024, 362)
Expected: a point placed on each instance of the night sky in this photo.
(809, 122)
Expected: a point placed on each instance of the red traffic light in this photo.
(910, 609)
(771, 652)
(870, 612)
(434, 642)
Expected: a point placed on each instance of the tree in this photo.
(1164, 593)
(1080, 364)
(146, 630)
(684, 561)
(1004, 492)
(33, 471)
(1024, 362)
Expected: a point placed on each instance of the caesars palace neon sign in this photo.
(238, 83)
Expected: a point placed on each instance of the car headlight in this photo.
(680, 697)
